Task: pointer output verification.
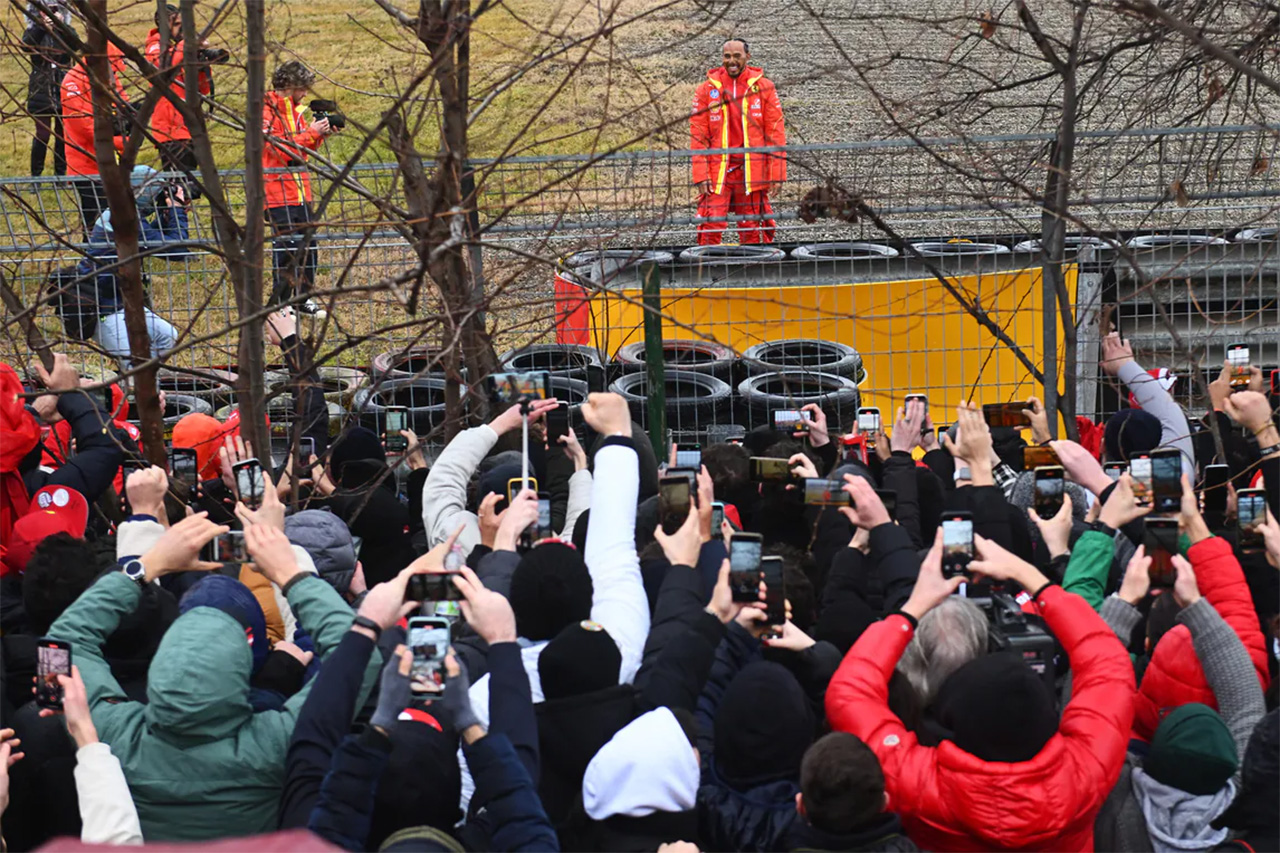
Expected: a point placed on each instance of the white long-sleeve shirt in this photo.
(444, 494)
(107, 813)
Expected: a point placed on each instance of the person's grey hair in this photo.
(949, 636)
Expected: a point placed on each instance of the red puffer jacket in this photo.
(951, 800)
(1174, 677)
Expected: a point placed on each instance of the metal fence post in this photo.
(657, 385)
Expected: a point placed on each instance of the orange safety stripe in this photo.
(291, 124)
(746, 137)
(724, 134)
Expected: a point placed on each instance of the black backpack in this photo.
(75, 302)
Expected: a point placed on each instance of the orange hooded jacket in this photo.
(77, 113)
(288, 140)
(166, 122)
(761, 120)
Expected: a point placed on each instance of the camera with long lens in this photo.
(329, 110)
(174, 190)
(214, 55)
(1023, 634)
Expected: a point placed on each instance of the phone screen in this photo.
(689, 456)
(765, 469)
(1238, 358)
(1005, 414)
(1115, 469)
(543, 530)
(775, 591)
(433, 586)
(819, 491)
(429, 641)
(717, 518)
(924, 399)
(868, 420)
(1038, 456)
(306, 449)
(1215, 494)
(957, 546)
(128, 466)
(249, 483)
(184, 465)
(395, 419)
(791, 420)
(596, 379)
(508, 388)
(1140, 473)
(1251, 514)
(1160, 538)
(229, 547)
(516, 485)
(1050, 487)
(1166, 480)
(557, 424)
(744, 566)
(674, 503)
(53, 658)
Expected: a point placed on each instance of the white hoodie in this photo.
(648, 766)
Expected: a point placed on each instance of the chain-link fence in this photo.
(929, 283)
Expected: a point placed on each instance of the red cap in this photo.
(54, 509)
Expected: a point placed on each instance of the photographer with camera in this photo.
(168, 129)
(288, 144)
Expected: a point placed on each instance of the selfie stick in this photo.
(524, 446)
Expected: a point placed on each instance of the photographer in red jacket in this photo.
(1010, 774)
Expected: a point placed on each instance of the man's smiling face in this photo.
(735, 57)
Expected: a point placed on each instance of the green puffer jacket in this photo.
(199, 763)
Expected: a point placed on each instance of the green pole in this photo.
(657, 371)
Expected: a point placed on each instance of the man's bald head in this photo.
(734, 56)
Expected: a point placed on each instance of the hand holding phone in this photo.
(957, 544)
(791, 420)
(775, 594)
(395, 419)
(428, 640)
(53, 658)
(250, 483)
(744, 567)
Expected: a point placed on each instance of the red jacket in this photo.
(77, 114)
(1174, 677)
(166, 122)
(720, 121)
(288, 140)
(951, 800)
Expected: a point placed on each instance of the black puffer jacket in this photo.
(49, 64)
(885, 834)
(756, 819)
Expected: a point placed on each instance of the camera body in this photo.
(1012, 630)
(214, 55)
(329, 110)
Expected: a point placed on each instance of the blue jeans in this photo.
(113, 337)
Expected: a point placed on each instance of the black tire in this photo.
(618, 258)
(280, 414)
(958, 249)
(730, 255)
(842, 251)
(1162, 241)
(423, 397)
(801, 354)
(694, 400)
(763, 394)
(176, 407)
(398, 364)
(697, 356)
(557, 359)
(215, 387)
(340, 384)
(566, 389)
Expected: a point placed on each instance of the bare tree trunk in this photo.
(124, 221)
(27, 321)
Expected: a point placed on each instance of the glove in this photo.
(456, 702)
(393, 695)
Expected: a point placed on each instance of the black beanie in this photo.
(495, 480)
(421, 784)
(1130, 432)
(550, 589)
(762, 728)
(996, 708)
(583, 658)
(355, 445)
(842, 623)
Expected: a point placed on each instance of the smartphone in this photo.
(436, 586)
(184, 466)
(1214, 495)
(306, 449)
(515, 485)
(690, 474)
(1251, 514)
(1005, 415)
(53, 658)
(744, 566)
(889, 498)
(229, 547)
(717, 519)
(1160, 541)
(674, 502)
(557, 425)
(542, 527)
(1238, 359)
(766, 470)
(597, 379)
(1114, 470)
(395, 419)
(1050, 487)
(1140, 473)
(128, 466)
(250, 485)
(791, 420)
(689, 456)
(775, 593)
(509, 388)
(1166, 480)
(869, 420)
(428, 640)
(819, 491)
(1038, 456)
(923, 398)
(957, 543)
(853, 449)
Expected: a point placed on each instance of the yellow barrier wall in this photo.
(913, 335)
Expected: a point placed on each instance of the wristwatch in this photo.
(1267, 451)
(1102, 527)
(135, 571)
(366, 622)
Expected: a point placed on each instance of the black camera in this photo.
(214, 55)
(174, 190)
(1024, 635)
(329, 110)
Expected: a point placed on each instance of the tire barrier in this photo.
(1258, 235)
(842, 251)
(764, 393)
(1162, 241)
(727, 255)
(281, 415)
(805, 354)
(422, 361)
(340, 384)
(694, 400)
(422, 396)
(569, 390)
(1071, 244)
(557, 359)
(176, 407)
(958, 248)
(613, 260)
(678, 354)
(215, 387)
